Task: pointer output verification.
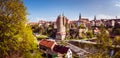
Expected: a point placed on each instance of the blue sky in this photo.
(48, 10)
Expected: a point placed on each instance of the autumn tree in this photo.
(116, 30)
(37, 29)
(103, 36)
(82, 26)
(117, 41)
(103, 41)
(89, 34)
(15, 36)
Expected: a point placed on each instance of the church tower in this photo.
(61, 31)
(94, 21)
(95, 29)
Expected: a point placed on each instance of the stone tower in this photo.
(61, 31)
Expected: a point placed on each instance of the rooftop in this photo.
(47, 43)
(60, 49)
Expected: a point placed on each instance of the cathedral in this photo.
(61, 29)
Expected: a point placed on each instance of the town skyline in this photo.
(59, 29)
(48, 10)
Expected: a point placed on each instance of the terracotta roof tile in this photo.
(47, 43)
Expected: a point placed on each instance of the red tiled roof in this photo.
(60, 49)
(47, 43)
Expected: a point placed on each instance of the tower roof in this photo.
(95, 20)
(95, 17)
(79, 16)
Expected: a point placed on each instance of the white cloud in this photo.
(103, 16)
(36, 19)
(117, 3)
(50, 18)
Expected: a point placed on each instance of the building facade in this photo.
(61, 29)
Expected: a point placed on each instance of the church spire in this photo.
(95, 20)
(60, 15)
(63, 14)
(116, 17)
(79, 16)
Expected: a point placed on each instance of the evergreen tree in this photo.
(15, 36)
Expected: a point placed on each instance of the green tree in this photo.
(117, 55)
(103, 37)
(117, 40)
(103, 41)
(97, 55)
(89, 34)
(15, 36)
(116, 29)
(82, 26)
(37, 29)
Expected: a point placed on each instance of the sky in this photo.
(49, 10)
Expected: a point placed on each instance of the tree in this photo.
(89, 34)
(116, 40)
(15, 36)
(82, 26)
(103, 42)
(117, 55)
(37, 29)
(116, 29)
(103, 37)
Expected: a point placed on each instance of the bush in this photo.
(41, 37)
